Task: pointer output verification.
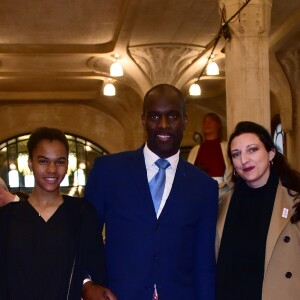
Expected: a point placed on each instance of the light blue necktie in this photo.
(157, 183)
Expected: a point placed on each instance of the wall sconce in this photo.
(116, 69)
(109, 89)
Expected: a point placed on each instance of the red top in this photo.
(210, 158)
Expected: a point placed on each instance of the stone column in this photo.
(247, 62)
(290, 60)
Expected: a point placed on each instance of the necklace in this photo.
(41, 211)
(51, 205)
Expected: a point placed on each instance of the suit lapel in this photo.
(177, 190)
(137, 174)
(278, 222)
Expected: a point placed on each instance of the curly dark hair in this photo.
(289, 177)
(45, 133)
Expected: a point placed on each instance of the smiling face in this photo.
(164, 120)
(251, 160)
(49, 164)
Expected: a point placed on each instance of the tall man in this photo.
(157, 250)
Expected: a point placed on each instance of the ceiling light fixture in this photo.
(109, 89)
(195, 89)
(116, 69)
(212, 67)
(197, 82)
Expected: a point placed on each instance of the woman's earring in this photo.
(271, 162)
(234, 172)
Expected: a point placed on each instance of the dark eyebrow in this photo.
(45, 157)
(256, 145)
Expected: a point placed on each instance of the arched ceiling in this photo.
(60, 51)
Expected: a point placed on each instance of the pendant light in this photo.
(195, 89)
(212, 68)
(109, 90)
(116, 69)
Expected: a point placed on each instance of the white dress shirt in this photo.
(152, 169)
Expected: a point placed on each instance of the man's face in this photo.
(164, 121)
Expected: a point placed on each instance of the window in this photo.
(278, 137)
(278, 134)
(16, 174)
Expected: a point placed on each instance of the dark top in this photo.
(210, 158)
(242, 251)
(37, 257)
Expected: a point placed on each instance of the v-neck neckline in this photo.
(38, 215)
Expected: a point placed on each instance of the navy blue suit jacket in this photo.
(175, 251)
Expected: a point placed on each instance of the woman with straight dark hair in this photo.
(258, 230)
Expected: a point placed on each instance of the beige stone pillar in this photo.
(247, 62)
(291, 61)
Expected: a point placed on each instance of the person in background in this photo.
(258, 230)
(5, 195)
(44, 245)
(157, 246)
(211, 155)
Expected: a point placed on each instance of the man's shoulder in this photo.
(77, 205)
(196, 173)
(118, 158)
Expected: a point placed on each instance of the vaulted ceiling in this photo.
(60, 51)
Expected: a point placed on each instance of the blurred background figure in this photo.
(5, 195)
(210, 155)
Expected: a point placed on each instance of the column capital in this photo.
(253, 20)
(164, 63)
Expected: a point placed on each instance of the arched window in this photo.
(16, 174)
(278, 134)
